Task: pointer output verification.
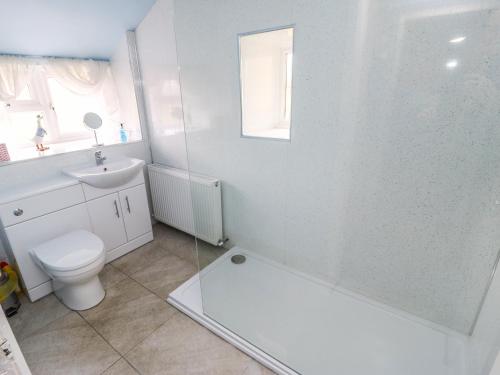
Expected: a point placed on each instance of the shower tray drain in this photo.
(238, 259)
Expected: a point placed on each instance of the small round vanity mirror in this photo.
(93, 121)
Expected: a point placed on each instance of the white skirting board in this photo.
(187, 299)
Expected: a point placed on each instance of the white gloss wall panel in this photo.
(122, 75)
(389, 184)
(189, 203)
(160, 78)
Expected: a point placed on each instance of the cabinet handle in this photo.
(18, 212)
(116, 209)
(128, 204)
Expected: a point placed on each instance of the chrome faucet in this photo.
(99, 159)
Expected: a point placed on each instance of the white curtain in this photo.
(85, 77)
(15, 72)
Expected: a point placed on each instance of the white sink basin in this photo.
(108, 175)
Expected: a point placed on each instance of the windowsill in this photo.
(282, 134)
(30, 154)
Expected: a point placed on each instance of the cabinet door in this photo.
(106, 218)
(135, 209)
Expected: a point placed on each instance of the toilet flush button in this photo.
(18, 212)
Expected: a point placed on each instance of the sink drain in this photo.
(238, 259)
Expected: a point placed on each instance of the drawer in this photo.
(41, 204)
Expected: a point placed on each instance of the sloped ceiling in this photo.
(67, 28)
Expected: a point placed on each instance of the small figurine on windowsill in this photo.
(40, 133)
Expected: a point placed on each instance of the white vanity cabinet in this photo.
(107, 222)
(120, 216)
(135, 211)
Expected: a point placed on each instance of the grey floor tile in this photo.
(165, 275)
(186, 251)
(170, 238)
(184, 246)
(128, 314)
(207, 253)
(120, 368)
(110, 276)
(182, 346)
(140, 258)
(67, 346)
(33, 316)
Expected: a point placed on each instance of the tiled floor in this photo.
(133, 330)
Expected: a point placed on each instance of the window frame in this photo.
(240, 78)
(38, 87)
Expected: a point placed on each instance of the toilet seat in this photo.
(69, 252)
(73, 262)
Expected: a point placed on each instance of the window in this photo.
(266, 83)
(62, 111)
(70, 109)
(59, 92)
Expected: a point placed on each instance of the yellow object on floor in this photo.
(9, 287)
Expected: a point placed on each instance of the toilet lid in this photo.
(70, 251)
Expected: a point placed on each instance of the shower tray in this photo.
(295, 324)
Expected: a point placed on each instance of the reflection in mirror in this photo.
(266, 83)
(51, 77)
(93, 121)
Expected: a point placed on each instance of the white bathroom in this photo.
(250, 187)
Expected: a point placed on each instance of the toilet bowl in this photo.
(73, 262)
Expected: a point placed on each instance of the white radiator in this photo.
(189, 203)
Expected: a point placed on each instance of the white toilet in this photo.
(73, 261)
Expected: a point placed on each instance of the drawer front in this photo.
(41, 204)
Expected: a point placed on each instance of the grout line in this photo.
(46, 324)
(122, 356)
(111, 365)
(102, 337)
(131, 365)
(148, 336)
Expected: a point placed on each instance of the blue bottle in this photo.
(123, 134)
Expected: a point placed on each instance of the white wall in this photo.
(122, 75)
(389, 184)
(160, 78)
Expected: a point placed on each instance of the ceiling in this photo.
(67, 28)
